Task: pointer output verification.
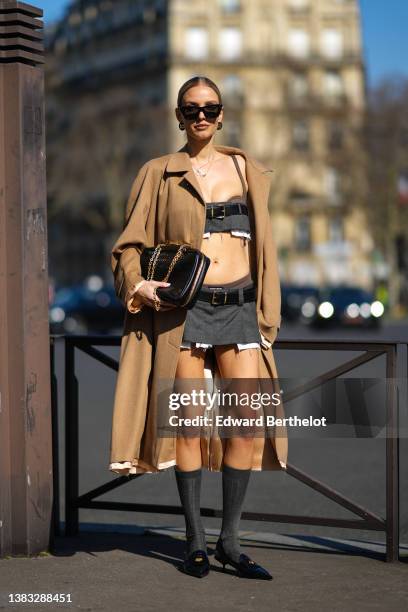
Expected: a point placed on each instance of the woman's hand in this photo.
(145, 293)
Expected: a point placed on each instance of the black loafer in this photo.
(196, 564)
(246, 567)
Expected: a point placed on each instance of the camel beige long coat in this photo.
(166, 203)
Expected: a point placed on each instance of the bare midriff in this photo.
(229, 256)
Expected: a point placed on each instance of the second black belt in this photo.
(221, 297)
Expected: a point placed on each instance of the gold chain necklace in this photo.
(199, 170)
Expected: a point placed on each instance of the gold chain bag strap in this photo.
(154, 258)
(153, 262)
(178, 263)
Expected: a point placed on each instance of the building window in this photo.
(74, 18)
(302, 233)
(299, 43)
(335, 136)
(298, 5)
(91, 12)
(298, 87)
(149, 16)
(300, 199)
(230, 43)
(196, 43)
(233, 90)
(331, 43)
(335, 230)
(232, 133)
(332, 186)
(61, 45)
(333, 84)
(230, 6)
(300, 135)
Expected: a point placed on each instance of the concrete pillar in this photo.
(25, 401)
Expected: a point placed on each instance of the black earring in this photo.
(219, 125)
(181, 126)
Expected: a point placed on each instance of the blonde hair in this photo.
(197, 80)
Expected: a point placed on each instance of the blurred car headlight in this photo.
(94, 282)
(326, 310)
(57, 314)
(353, 310)
(308, 309)
(365, 310)
(377, 308)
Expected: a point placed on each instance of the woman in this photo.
(216, 199)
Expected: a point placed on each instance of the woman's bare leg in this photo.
(190, 366)
(242, 364)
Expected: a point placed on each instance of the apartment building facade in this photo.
(292, 77)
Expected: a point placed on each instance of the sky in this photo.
(384, 34)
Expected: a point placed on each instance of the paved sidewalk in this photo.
(134, 572)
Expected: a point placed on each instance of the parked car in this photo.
(91, 307)
(348, 305)
(299, 302)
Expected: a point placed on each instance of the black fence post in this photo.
(71, 440)
(55, 530)
(392, 460)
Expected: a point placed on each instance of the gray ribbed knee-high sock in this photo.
(234, 486)
(189, 488)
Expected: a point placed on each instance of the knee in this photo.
(242, 445)
(188, 443)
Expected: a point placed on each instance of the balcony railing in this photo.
(316, 102)
(272, 59)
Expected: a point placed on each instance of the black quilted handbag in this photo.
(179, 264)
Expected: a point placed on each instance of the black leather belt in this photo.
(220, 297)
(219, 211)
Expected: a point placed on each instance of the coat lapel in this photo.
(179, 163)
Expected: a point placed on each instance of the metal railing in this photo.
(396, 366)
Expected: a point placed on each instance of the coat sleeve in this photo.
(125, 253)
(270, 315)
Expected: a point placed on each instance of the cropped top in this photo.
(237, 224)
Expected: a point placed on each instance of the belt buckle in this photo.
(215, 303)
(218, 215)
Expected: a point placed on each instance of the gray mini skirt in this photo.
(212, 325)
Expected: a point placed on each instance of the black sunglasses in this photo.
(211, 111)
